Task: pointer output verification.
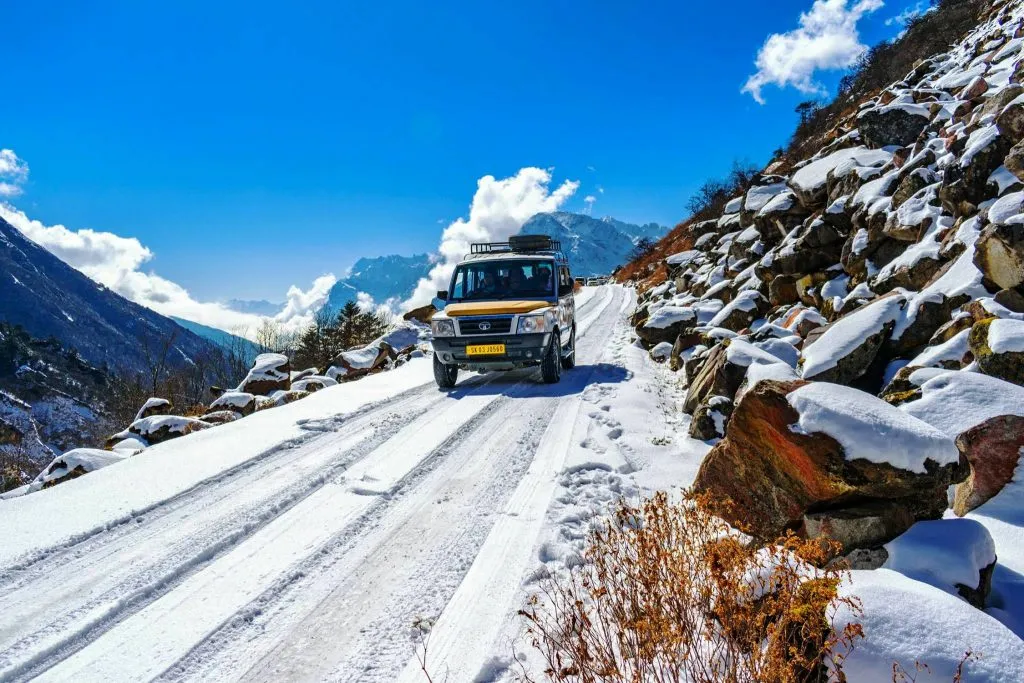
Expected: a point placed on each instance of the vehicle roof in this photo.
(511, 256)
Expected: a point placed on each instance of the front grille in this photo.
(485, 325)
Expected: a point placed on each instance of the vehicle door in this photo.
(566, 301)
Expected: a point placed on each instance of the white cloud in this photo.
(827, 38)
(116, 263)
(499, 210)
(589, 201)
(13, 173)
(300, 305)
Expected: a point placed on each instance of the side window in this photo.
(564, 281)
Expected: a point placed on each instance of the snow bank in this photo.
(116, 494)
(954, 401)
(868, 428)
(907, 621)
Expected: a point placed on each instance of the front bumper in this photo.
(521, 350)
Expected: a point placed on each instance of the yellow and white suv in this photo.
(510, 305)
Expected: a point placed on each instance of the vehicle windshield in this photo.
(513, 279)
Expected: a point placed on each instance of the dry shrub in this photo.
(669, 592)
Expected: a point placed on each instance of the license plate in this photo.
(485, 350)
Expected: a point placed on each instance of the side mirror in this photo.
(442, 294)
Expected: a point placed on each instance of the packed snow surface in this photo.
(868, 428)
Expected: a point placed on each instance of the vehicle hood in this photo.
(493, 307)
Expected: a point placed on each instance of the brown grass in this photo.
(669, 592)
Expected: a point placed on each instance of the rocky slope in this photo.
(851, 329)
(51, 299)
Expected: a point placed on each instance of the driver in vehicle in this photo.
(516, 280)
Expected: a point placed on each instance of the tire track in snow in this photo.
(161, 581)
(399, 567)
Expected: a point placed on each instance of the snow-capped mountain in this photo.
(49, 298)
(383, 278)
(594, 246)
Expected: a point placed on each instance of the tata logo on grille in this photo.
(485, 326)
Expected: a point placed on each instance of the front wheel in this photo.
(569, 359)
(551, 366)
(445, 375)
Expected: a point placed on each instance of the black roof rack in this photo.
(518, 244)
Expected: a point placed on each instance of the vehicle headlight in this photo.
(443, 328)
(535, 324)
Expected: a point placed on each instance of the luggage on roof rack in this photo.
(518, 244)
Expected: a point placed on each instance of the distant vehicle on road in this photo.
(510, 305)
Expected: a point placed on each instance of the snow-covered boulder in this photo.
(270, 372)
(154, 406)
(954, 555)
(74, 464)
(998, 348)
(809, 183)
(893, 124)
(795, 449)
(660, 352)
(723, 371)
(313, 383)
(219, 417)
(711, 417)
(665, 324)
(739, 313)
(240, 402)
(159, 428)
(848, 347)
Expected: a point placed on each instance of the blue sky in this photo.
(255, 145)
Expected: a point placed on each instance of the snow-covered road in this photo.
(301, 543)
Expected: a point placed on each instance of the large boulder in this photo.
(723, 371)
(993, 449)
(998, 348)
(894, 124)
(794, 449)
(848, 347)
(270, 372)
(739, 313)
(999, 255)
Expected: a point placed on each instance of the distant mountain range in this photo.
(595, 246)
(49, 298)
(259, 307)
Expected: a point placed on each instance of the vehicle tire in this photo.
(551, 365)
(569, 360)
(445, 375)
